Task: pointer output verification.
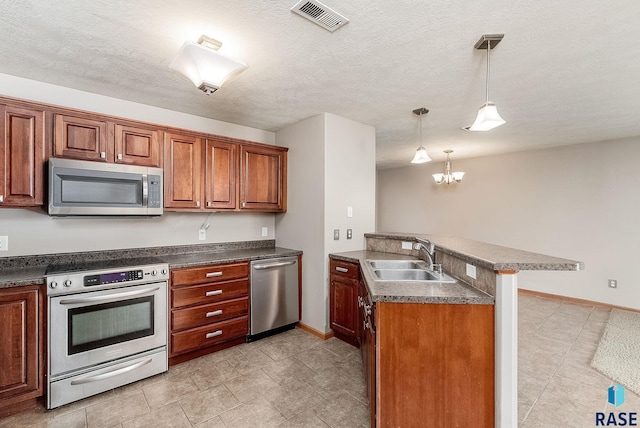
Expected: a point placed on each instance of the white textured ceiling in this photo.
(567, 72)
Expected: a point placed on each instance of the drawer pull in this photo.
(341, 269)
(214, 313)
(212, 274)
(213, 293)
(214, 334)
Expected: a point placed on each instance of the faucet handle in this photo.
(437, 267)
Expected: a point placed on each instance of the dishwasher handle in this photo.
(274, 265)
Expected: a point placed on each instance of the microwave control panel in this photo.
(155, 191)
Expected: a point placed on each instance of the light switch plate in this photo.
(349, 212)
(4, 243)
(265, 231)
(202, 234)
(471, 271)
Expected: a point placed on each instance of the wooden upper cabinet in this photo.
(182, 171)
(263, 178)
(22, 156)
(221, 161)
(138, 145)
(82, 138)
(97, 139)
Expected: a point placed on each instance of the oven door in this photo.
(95, 327)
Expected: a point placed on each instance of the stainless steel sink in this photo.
(411, 275)
(397, 264)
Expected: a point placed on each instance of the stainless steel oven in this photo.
(107, 327)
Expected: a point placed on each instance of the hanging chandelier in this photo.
(421, 155)
(448, 176)
(488, 117)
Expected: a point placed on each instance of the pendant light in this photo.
(448, 176)
(421, 155)
(488, 117)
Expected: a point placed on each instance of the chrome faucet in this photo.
(429, 249)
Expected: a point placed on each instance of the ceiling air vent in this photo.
(322, 15)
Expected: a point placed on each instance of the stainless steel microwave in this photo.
(94, 188)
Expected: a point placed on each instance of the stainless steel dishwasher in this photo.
(274, 296)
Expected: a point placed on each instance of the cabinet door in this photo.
(138, 145)
(263, 174)
(22, 156)
(19, 354)
(182, 171)
(344, 313)
(82, 138)
(220, 176)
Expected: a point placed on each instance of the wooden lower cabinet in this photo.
(343, 290)
(435, 365)
(22, 350)
(209, 309)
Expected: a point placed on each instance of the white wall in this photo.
(580, 202)
(302, 226)
(33, 232)
(331, 166)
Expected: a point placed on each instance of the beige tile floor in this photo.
(296, 380)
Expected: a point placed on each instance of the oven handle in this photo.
(108, 375)
(110, 297)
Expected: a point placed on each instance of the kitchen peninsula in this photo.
(479, 312)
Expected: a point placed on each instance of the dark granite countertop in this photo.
(412, 291)
(495, 257)
(31, 270)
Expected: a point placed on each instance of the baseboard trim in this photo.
(317, 333)
(574, 300)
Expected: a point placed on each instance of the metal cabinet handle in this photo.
(107, 375)
(119, 156)
(367, 309)
(1, 198)
(360, 301)
(214, 334)
(197, 204)
(341, 269)
(103, 155)
(214, 313)
(212, 293)
(212, 274)
(209, 204)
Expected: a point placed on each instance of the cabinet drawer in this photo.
(338, 267)
(208, 293)
(209, 273)
(208, 335)
(200, 315)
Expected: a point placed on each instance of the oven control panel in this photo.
(79, 281)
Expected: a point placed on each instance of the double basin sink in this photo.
(406, 270)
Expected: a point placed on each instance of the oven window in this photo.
(92, 327)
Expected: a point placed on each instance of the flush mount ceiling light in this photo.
(448, 176)
(204, 65)
(421, 155)
(488, 117)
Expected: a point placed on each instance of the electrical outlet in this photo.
(471, 271)
(349, 233)
(4, 243)
(265, 231)
(613, 283)
(202, 234)
(406, 245)
(336, 234)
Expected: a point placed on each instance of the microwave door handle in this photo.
(109, 297)
(145, 190)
